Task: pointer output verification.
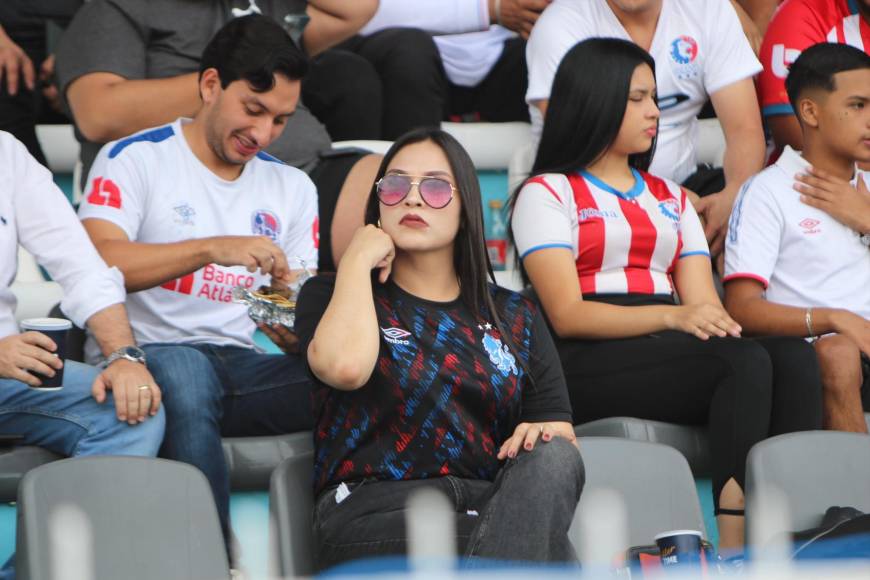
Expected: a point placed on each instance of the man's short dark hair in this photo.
(253, 48)
(816, 66)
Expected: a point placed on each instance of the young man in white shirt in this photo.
(700, 50)
(797, 259)
(188, 211)
(82, 418)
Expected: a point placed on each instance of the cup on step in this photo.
(680, 548)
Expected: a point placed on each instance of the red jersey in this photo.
(797, 25)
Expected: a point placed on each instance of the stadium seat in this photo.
(689, 440)
(379, 147)
(291, 505)
(145, 519)
(250, 460)
(60, 146)
(814, 470)
(654, 481)
(490, 145)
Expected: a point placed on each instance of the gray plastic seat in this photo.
(691, 441)
(814, 470)
(147, 518)
(654, 480)
(250, 460)
(291, 507)
(15, 462)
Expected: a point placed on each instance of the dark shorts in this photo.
(329, 175)
(706, 180)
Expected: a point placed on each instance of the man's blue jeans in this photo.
(211, 391)
(70, 422)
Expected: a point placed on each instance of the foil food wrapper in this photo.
(264, 311)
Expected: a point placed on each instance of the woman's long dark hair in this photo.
(586, 108)
(587, 105)
(470, 259)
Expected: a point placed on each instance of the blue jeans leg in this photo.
(192, 393)
(71, 423)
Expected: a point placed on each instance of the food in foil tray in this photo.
(276, 303)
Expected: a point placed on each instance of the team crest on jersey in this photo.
(670, 208)
(684, 52)
(499, 355)
(184, 214)
(395, 335)
(266, 223)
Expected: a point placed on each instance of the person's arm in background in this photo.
(736, 107)
(750, 28)
(101, 62)
(760, 11)
(333, 21)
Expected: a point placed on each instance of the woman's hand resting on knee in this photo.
(526, 435)
(702, 320)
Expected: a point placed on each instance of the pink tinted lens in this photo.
(393, 188)
(436, 192)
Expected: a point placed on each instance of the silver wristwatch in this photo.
(130, 353)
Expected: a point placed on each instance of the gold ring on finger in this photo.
(144, 388)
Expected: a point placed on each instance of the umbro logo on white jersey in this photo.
(395, 335)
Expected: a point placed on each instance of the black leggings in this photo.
(744, 390)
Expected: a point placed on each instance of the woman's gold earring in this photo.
(379, 223)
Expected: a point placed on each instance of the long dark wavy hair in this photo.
(470, 259)
(586, 108)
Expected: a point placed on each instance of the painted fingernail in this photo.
(528, 446)
(547, 436)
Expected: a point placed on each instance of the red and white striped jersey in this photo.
(797, 25)
(622, 242)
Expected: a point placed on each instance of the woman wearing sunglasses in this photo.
(429, 376)
(606, 245)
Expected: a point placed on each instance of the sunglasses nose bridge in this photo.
(413, 190)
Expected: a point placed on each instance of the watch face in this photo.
(134, 352)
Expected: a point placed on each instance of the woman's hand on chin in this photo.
(373, 248)
(526, 435)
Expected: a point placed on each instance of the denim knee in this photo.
(188, 380)
(556, 465)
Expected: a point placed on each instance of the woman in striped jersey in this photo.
(609, 247)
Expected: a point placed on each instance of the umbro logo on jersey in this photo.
(810, 226)
(395, 335)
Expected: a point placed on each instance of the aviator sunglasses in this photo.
(436, 192)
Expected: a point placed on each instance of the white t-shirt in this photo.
(35, 214)
(699, 48)
(468, 58)
(622, 242)
(803, 256)
(153, 187)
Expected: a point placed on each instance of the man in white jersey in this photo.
(797, 259)
(190, 210)
(110, 411)
(700, 51)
